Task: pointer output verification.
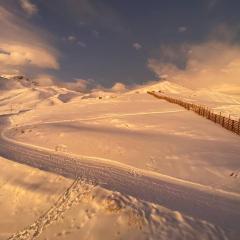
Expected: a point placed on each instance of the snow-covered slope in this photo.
(138, 131)
(9, 84)
(14, 82)
(20, 93)
(213, 98)
(164, 87)
(47, 206)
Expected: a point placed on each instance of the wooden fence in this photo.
(225, 122)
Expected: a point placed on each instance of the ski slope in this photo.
(135, 145)
(222, 208)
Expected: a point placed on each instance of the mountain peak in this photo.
(165, 87)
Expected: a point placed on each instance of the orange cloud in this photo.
(28, 7)
(210, 64)
(22, 45)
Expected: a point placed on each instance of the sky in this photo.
(129, 42)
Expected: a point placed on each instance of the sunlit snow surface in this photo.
(134, 129)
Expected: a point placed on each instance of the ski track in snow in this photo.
(218, 207)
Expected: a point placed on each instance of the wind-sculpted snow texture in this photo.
(83, 208)
(72, 195)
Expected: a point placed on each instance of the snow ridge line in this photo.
(227, 123)
(77, 190)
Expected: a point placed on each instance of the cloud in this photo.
(82, 23)
(45, 80)
(81, 44)
(71, 38)
(90, 85)
(28, 7)
(95, 33)
(95, 14)
(210, 64)
(18, 54)
(80, 85)
(119, 87)
(23, 46)
(211, 4)
(137, 46)
(182, 29)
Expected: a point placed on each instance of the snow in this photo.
(129, 133)
(26, 193)
(164, 86)
(140, 131)
(84, 210)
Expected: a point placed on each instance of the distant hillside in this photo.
(165, 87)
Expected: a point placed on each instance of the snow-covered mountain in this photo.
(164, 87)
(16, 82)
(223, 102)
(9, 84)
(21, 93)
(146, 137)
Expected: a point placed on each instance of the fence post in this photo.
(239, 126)
(229, 117)
(215, 118)
(223, 121)
(220, 117)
